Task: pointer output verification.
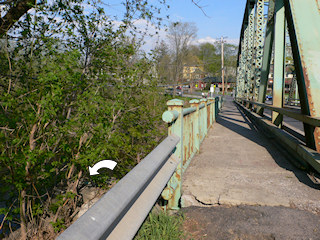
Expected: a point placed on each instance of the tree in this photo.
(14, 11)
(163, 62)
(180, 35)
(192, 56)
(210, 59)
(71, 94)
(230, 60)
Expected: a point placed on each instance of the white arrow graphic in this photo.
(102, 164)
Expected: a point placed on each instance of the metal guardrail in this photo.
(121, 211)
(191, 125)
(289, 113)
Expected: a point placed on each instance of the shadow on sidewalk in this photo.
(254, 135)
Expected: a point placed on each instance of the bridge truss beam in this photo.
(257, 38)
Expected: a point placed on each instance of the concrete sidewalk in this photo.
(238, 165)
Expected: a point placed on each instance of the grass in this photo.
(161, 226)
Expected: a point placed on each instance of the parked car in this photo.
(269, 97)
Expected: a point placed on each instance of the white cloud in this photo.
(205, 40)
(150, 42)
(234, 41)
(211, 40)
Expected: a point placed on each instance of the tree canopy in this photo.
(74, 90)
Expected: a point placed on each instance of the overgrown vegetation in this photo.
(161, 226)
(74, 90)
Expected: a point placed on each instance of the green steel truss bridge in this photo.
(268, 28)
(274, 34)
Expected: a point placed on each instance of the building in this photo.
(288, 79)
(190, 73)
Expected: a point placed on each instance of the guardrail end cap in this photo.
(175, 102)
(194, 101)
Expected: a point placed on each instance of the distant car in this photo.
(269, 97)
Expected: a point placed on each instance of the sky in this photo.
(220, 18)
(224, 17)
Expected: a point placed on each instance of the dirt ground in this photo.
(250, 223)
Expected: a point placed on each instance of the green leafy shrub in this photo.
(72, 93)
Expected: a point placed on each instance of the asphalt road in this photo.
(250, 223)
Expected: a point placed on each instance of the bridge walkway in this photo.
(238, 165)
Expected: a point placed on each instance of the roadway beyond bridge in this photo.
(239, 166)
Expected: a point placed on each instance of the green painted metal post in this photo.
(267, 51)
(211, 100)
(216, 106)
(304, 31)
(174, 185)
(214, 110)
(279, 61)
(250, 44)
(258, 55)
(200, 122)
(242, 56)
(204, 118)
(186, 138)
(196, 124)
(208, 115)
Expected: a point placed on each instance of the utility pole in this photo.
(222, 66)
(222, 63)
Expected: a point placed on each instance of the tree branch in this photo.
(200, 7)
(14, 14)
